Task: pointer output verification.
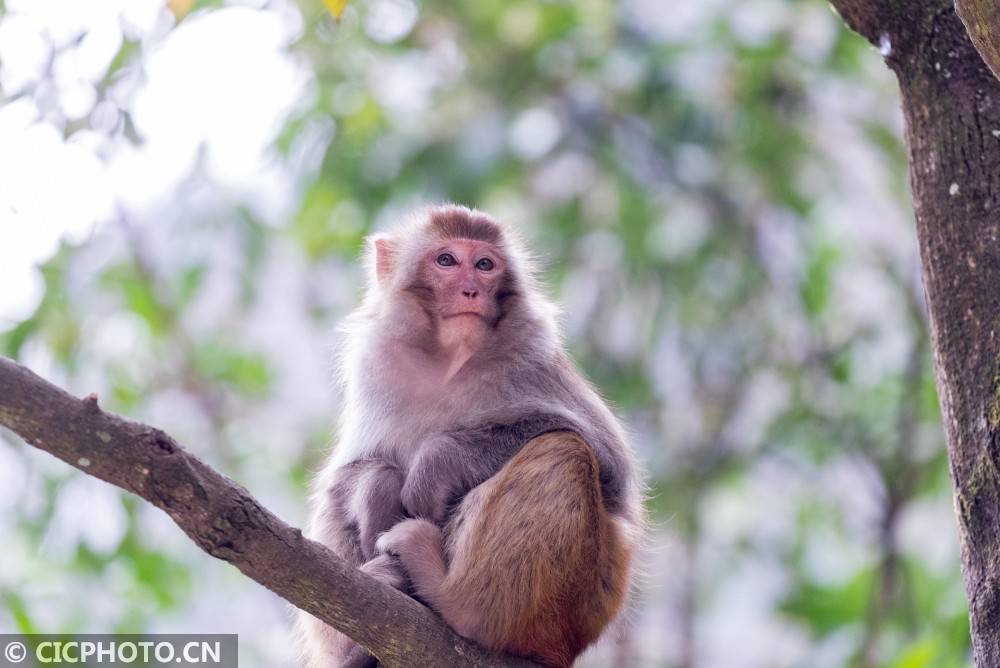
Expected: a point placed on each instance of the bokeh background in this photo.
(717, 189)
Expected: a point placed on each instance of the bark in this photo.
(982, 21)
(225, 521)
(951, 103)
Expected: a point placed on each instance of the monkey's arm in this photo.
(358, 501)
(361, 501)
(448, 465)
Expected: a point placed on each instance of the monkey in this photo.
(476, 469)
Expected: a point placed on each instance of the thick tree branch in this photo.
(228, 523)
(869, 18)
(982, 21)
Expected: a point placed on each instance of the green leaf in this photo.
(826, 608)
(816, 286)
(317, 227)
(139, 295)
(189, 282)
(18, 609)
(923, 653)
(14, 339)
(246, 372)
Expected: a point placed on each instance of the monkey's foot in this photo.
(386, 568)
(409, 537)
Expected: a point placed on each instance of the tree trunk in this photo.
(951, 103)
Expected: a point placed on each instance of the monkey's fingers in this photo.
(386, 568)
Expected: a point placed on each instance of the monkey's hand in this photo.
(434, 479)
(419, 546)
(409, 539)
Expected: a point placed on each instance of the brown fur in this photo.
(537, 565)
(458, 222)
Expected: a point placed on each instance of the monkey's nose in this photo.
(470, 293)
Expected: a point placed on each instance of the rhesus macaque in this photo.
(476, 468)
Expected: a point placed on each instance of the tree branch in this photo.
(229, 524)
(982, 22)
(869, 18)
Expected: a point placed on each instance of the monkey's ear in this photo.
(384, 252)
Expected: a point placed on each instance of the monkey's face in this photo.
(465, 277)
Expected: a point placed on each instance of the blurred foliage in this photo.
(718, 194)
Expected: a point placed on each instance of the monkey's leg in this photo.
(531, 563)
(362, 501)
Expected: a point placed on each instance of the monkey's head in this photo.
(451, 276)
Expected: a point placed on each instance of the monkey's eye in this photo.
(485, 264)
(446, 259)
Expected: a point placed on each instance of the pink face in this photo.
(466, 275)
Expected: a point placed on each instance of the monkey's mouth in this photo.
(477, 314)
